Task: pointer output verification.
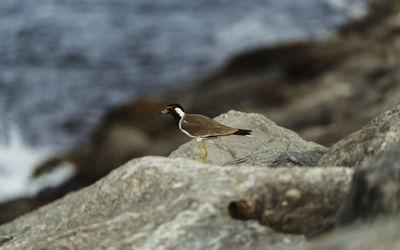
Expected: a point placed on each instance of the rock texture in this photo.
(161, 203)
(373, 199)
(266, 135)
(273, 158)
(374, 151)
(372, 139)
(375, 189)
(382, 234)
(180, 203)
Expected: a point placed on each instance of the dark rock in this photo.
(270, 158)
(5, 238)
(16, 207)
(156, 202)
(372, 139)
(375, 188)
(291, 206)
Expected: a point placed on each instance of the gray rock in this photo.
(161, 203)
(271, 158)
(266, 135)
(382, 235)
(372, 139)
(5, 238)
(375, 188)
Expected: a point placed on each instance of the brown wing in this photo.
(200, 125)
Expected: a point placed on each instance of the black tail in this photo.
(242, 132)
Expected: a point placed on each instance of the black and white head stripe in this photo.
(175, 105)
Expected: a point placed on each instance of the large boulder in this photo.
(374, 151)
(375, 188)
(266, 135)
(369, 141)
(163, 203)
(369, 215)
(382, 234)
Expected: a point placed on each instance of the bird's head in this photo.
(174, 109)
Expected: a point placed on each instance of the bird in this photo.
(200, 127)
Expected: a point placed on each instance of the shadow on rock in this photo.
(375, 189)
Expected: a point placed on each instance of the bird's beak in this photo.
(165, 111)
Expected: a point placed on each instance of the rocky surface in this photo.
(180, 203)
(374, 151)
(375, 189)
(274, 158)
(371, 140)
(161, 203)
(382, 234)
(265, 135)
(369, 215)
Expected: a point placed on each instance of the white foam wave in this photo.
(17, 160)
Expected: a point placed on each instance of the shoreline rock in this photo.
(266, 135)
(180, 203)
(370, 140)
(158, 202)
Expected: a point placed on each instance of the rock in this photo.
(372, 139)
(130, 129)
(122, 135)
(284, 205)
(266, 135)
(271, 158)
(382, 234)
(164, 203)
(14, 208)
(375, 188)
(5, 238)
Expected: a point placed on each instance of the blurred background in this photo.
(81, 81)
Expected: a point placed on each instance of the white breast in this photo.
(184, 131)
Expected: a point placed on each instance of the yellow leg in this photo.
(205, 150)
(201, 151)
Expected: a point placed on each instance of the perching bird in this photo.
(200, 127)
